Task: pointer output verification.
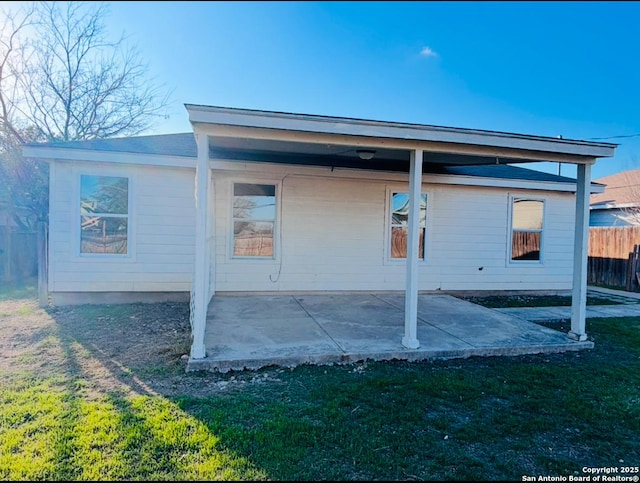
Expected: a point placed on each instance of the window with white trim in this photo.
(398, 226)
(527, 227)
(104, 215)
(254, 220)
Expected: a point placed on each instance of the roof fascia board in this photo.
(54, 153)
(380, 129)
(510, 153)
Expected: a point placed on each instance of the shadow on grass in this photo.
(81, 413)
(130, 412)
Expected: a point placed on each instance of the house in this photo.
(619, 204)
(262, 201)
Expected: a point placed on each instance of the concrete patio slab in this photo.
(369, 324)
(263, 327)
(254, 331)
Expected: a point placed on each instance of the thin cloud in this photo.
(428, 52)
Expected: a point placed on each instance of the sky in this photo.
(567, 69)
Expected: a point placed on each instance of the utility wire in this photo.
(615, 137)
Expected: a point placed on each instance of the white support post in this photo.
(580, 254)
(200, 289)
(410, 339)
(211, 233)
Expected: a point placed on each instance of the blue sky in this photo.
(543, 68)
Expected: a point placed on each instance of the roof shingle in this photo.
(184, 145)
(621, 189)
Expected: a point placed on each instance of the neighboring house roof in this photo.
(184, 145)
(622, 190)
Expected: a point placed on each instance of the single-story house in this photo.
(261, 201)
(619, 204)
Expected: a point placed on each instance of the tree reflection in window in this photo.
(254, 214)
(104, 214)
(399, 225)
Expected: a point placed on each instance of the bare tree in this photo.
(80, 85)
(62, 79)
(23, 186)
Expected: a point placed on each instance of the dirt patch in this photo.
(109, 349)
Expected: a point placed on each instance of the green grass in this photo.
(497, 301)
(494, 418)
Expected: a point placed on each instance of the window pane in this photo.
(527, 215)
(254, 201)
(525, 245)
(253, 239)
(399, 243)
(103, 235)
(400, 209)
(246, 189)
(104, 194)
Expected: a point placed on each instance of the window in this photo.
(526, 229)
(254, 219)
(399, 225)
(104, 214)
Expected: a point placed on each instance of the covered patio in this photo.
(250, 331)
(232, 332)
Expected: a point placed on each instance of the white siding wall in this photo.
(334, 232)
(161, 232)
(331, 234)
(471, 236)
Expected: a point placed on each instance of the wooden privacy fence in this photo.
(18, 254)
(633, 270)
(614, 257)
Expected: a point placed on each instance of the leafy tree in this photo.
(62, 79)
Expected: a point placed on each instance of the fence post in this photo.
(636, 258)
(43, 292)
(627, 280)
(632, 269)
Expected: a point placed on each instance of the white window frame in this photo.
(276, 220)
(389, 219)
(130, 255)
(512, 199)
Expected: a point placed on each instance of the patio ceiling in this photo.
(344, 156)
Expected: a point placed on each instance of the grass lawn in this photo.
(496, 301)
(100, 393)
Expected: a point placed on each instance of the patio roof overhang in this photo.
(310, 139)
(322, 140)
